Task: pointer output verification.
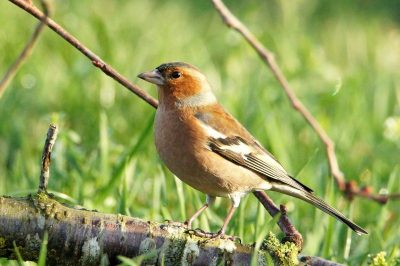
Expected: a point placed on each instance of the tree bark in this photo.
(83, 237)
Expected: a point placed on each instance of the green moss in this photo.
(281, 253)
(2, 242)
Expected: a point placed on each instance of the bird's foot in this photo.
(177, 224)
(213, 236)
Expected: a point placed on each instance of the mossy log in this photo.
(83, 237)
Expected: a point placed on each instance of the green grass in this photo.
(342, 59)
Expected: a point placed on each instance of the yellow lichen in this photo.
(281, 253)
(42, 195)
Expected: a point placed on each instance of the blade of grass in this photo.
(43, 250)
(310, 159)
(260, 220)
(19, 257)
(390, 187)
(163, 184)
(181, 198)
(262, 235)
(241, 218)
(127, 261)
(346, 252)
(155, 210)
(329, 231)
(392, 254)
(139, 259)
(104, 147)
(165, 213)
(122, 206)
(130, 152)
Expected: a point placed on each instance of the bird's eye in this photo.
(176, 74)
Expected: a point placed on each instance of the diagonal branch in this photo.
(349, 188)
(97, 61)
(26, 53)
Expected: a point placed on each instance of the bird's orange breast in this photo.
(182, 145)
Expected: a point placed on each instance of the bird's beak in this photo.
(152, 76)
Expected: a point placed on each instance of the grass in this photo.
(341, 58)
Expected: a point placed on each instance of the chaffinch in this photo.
(208, 149)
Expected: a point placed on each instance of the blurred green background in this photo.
(342, 59)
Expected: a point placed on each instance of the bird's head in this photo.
(180, 83)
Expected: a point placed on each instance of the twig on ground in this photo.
(349, 189)
(46, 157)
(26, 53)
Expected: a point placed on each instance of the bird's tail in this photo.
(320, 204)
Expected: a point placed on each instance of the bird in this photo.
(209, 150)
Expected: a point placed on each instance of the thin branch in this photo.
(26, 53)
(97, 61)
(46, 157)
(231, 21)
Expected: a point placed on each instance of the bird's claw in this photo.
(213, 236)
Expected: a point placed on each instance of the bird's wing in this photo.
(228, 138)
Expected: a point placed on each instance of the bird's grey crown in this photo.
(164, 67)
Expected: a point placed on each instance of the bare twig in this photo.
(350, 190)
(46, 157)
(292, 235)
(26, 53)
(97, 61)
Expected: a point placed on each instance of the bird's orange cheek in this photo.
(186, 89)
